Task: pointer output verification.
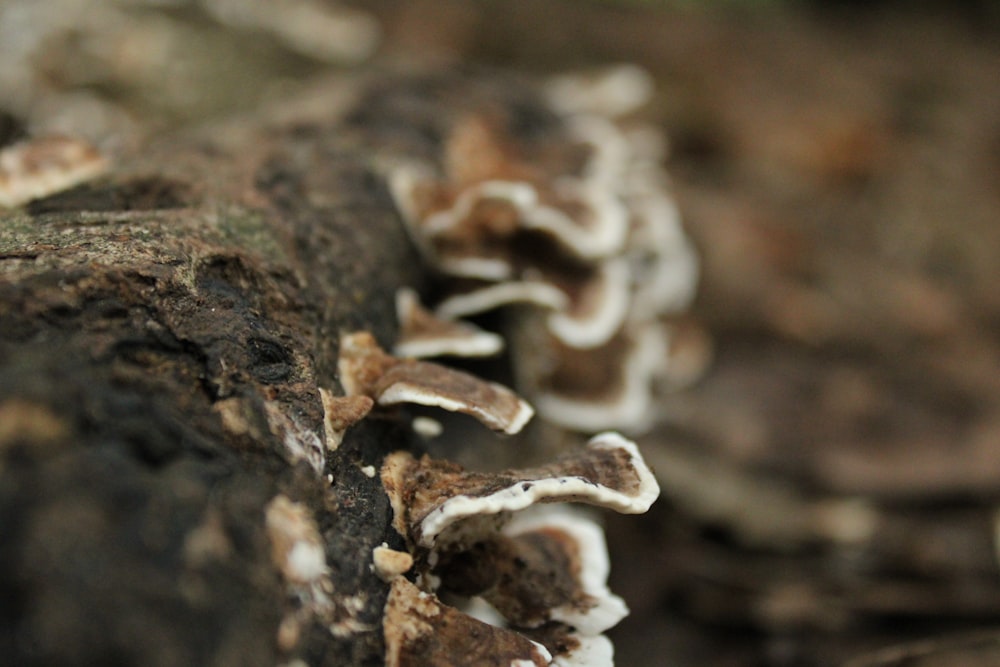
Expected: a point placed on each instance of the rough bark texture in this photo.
(147, 320)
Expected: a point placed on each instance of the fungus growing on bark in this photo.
(365, 369)
(574, 221)
(544, 573)
(340, 413)
(549, 564)
(431, 497)
(43, 166)
(546, 205)
(423, 334)
(420, 630)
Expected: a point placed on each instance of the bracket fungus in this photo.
(549, 205)
(571, 218)
(366, 369)
(485, 536)
(431, 497)
(423, 334)
(548, 567)
(490, 536)
(420, 630)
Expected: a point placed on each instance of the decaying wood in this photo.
(165, 334)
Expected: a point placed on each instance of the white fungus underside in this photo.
(480, 344)
(608, 609)
(630, 408)
(407, 392)
(598, 325)
(503, 294)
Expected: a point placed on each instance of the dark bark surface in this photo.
(148, 320)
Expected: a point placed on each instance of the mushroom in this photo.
(570, 218)
(543, 204)
(612, 391)
(550, 564)
(46, 165)
(365, 369)
(422, 334)
(435, 500)
(421, 631)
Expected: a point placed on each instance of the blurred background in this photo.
(831, 466)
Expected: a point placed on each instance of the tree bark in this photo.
(165, 330)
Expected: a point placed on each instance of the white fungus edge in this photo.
(495, 296)
(571, 489)
(597, 327)
(409, 392)
(595, 566)
(630, 410)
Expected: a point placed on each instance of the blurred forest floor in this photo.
(832, 480)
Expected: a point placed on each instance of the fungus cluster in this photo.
(574, 226)
(551, 208)
(491, 540)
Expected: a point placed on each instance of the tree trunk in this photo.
(165, 334)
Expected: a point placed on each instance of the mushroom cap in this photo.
(424, 334)
(365, 369)
(430, 498)
(593, 607)
(421, 631)
(549, 565)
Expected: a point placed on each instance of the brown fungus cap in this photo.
(365, 369)
(423, 334)
(487, 190)
(420, 631)
(573, 221)
(340, 413)
(585, 392)
(431, 497)
(549, 565)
